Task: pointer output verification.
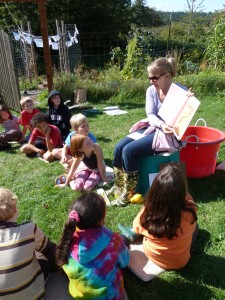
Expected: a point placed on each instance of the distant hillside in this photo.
(178, 15)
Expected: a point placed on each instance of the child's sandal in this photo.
(60, 179)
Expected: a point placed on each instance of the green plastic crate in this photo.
(150, 165)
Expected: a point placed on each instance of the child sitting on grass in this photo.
(58, 113)
(26, 254)
(26, 115)
(44, 138)
(90, 254)
(84, 150)
(168, 220)
(79, 124)
(12, 131)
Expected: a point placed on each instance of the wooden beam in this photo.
(44, 33)
(36, 1)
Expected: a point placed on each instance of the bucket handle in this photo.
(193, 135)
(201, 119)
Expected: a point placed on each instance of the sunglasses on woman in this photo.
(155, 78)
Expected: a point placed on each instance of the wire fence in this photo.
(92, 49)
(9, 88)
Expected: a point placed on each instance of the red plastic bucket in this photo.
(200, 153)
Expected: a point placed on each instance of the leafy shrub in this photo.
(215, 43)
(206, 82)
(188, 67)
(66, 83)
(25, 84)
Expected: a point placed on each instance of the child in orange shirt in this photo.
(168, 220)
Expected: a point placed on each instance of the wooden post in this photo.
(65, 48)
(44, 32)
(33, 58)
(168, 40)
(60, 46)
(26, 55)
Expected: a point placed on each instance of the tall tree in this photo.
(89, 15)
(194, 6)
(144, 16)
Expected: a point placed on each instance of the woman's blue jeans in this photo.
(128, 151)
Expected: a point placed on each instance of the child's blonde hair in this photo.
(25, 100)
(77, 120)
(8, 202)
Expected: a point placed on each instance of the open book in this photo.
(178, 110)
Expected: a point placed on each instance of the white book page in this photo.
(136, 135)
(151, 177)
(185, 117)
(115, 112)
(172, 105)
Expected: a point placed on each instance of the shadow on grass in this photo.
(196, 281)
(209, 188)
(14, 148)
(104, 140)
(169, 288)
(92, 113)
(204, 268)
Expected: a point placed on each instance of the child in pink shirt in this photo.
(12, 131)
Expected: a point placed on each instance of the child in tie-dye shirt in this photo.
(90, 254)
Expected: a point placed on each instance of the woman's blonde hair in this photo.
(162, 66)
(8, 202)
(75, 145)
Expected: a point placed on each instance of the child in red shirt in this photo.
(44, 138)
(26, 115)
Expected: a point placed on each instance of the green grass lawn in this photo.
(33, 180)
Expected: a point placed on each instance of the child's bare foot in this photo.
(41, 152)
(66, 167)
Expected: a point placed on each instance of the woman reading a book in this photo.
(126, 153)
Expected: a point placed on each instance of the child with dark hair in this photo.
(90, 254)
(27, 256)
(12, 131)
(44, 138)
(58, 113)
(168, 220)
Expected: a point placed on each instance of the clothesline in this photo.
(53, 40)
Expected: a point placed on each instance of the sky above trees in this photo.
(181, 5)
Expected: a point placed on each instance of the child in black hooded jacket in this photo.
(58, 113)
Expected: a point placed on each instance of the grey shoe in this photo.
(119, 203)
